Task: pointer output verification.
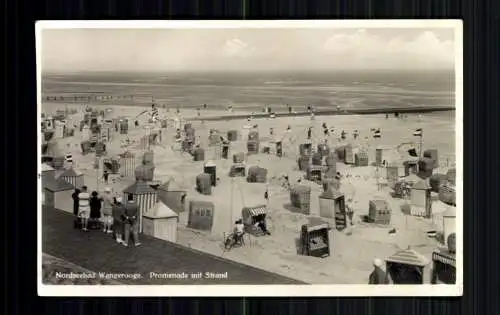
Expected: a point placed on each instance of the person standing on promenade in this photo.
(84, 208)
(130, 212)
(117, 212)
(107, 210)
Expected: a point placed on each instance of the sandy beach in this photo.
(352, 250)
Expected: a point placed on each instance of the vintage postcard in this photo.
(250, 158)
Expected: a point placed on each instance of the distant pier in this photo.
(331, 112)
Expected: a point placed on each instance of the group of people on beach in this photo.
(107, 211)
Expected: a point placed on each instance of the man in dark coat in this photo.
(76, 201)
(378, 276)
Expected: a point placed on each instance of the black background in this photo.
(481, 161)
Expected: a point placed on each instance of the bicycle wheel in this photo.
(228, 243)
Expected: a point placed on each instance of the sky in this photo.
(177, 50)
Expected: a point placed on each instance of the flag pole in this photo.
(421, 143)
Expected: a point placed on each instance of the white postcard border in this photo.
(266, 290)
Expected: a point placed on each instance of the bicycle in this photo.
(232, 241)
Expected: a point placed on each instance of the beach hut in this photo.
(48, 172)
(314, 238)
(214, 138)
(58, 162)
(215, 151)
(238, 157)
(112, 165)
(317, 159)
(57, 194)
(148, 158)
(48, 135)
(408, 267)
(379, 156)
(361, 159)
(86, 147)
(410, 166)
(348, 154)
(332, 205)
(144, 195)
(237, 169)
(232, 135)
(59, 129)
(392, 171)
(330, 183)
(340, 153)
(451, 176)
(314, 173)
(127, 164)
(303, 161)
(123, 126)
(187, 145)
(323, 150)
(436, 180)
(425, 167)
(444, 270)
(433, 155)
(257, 174)
(198, 154)
(379, 212)
(188, 126)
(305, 149)
(144, 172)
(100, 149)
(211, 169)
(252, 147)
(190, 133)
(201, 215)
(203, 184)
(279, 148)
(421, 202)
(448, 194)
(253, 135)
(161, 222)
(172, 195)
(73, 177)
(300, 198)
(449, 222)
(251, 216)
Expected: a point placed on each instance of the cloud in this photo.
(362, 48)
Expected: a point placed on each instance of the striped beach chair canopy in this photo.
(408, 257)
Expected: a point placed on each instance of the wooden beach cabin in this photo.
(332, 205)
(161, 222)
(251, 216)
(408, 267)
(57, 194)
(444, 270)
(300, 198)
(314, 239)
(379, 212)
(201, 215)
(421, 201)
(127, 164)
(449, 223)
(48, 172)
(172, 195)
(73, 177)
(144, 195)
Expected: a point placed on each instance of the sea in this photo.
(248, 90)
